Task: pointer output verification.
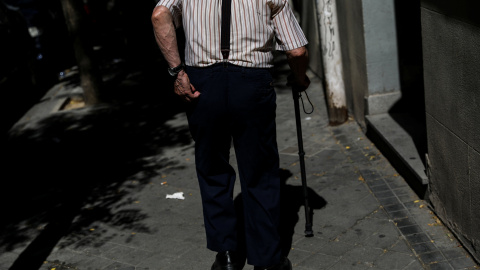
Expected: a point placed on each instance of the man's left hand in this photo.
(184, 89)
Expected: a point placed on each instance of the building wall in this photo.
(309, 23)
(370, 56)
(352, 42)
(451, 53)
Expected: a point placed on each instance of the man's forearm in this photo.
(165, 35)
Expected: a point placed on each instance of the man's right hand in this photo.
(184, 89)
(296, 84)
(298, 62)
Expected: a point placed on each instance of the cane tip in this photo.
(308, 233)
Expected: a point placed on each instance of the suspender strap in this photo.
(225, 38)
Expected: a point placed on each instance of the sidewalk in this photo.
(365, 215)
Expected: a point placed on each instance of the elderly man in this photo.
(227, 81)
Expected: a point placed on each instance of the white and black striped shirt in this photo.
(255, 27)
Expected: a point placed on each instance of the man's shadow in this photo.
(292, 200)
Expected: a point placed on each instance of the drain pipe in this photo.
(332, 61)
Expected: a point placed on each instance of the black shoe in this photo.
(226, 261)
(285, 264)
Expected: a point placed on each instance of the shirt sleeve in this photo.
(175, 7)
(288, 33)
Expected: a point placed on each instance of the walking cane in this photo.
(308, 222)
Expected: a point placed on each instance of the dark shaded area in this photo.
(465, 10)
(74, 165)
(73, 168)
(16, 66)
(409, 112)
(31, 64)
(409, 38)
(399, 166)
(292, 201)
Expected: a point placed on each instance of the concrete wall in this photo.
(451, 46)
(370, 55)
(350, 21)
(309, 23)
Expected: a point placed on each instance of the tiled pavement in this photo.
(365, 214)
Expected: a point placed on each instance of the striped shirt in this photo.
(257, 28)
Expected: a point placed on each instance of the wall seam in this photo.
(450, 17)
(451, 131)
(470, 221)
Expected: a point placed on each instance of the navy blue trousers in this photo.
(237, 104)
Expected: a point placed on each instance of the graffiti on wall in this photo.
(329, 29)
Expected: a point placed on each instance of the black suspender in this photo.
(225, 32)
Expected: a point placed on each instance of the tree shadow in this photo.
(292, 200)
(74, 168)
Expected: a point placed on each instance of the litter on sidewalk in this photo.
(177, 195)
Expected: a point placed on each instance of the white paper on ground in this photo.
(177, 195)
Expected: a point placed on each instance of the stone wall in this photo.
(451, 53)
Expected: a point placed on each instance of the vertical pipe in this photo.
(332, 61)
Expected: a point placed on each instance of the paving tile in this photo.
(361, 257)
(372, 224)
(297, 256)
(65, 255)
(119, 266)
(375, 182)
(354, 236)
(200, 258)
(388, 201)
(382, 240)
(414, 265)
(395, 182)
(401, 246)
(336, 248)
(405, 222)
(440, 266)
(405, 191)
(454, 253)
(74, 259)
(461, 263)
(127, 255)
(318, 261)
(432, 257)
(417, 238)
(410, 205)
(394, 207)
(369, 174)
(384, 194)
(424, 247)
(328, 231)
(7, 259)
(379, 188)
(407, 198)
(160, 261)
(394, 260)
(311, 244)
(399, 214)
(93, 263)
(380, 214)
(407, 230)
(347, 264)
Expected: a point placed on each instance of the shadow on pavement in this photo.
(292, 201)
(70, 169)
